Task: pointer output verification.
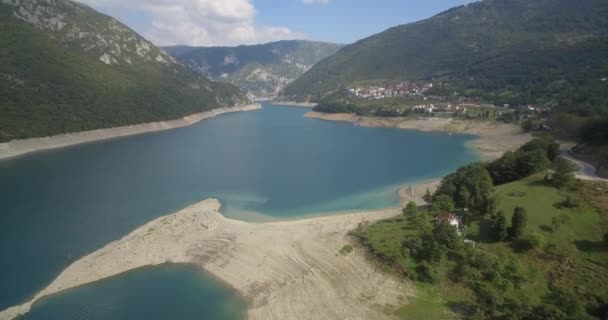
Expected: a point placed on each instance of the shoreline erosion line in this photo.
(21, 147)
(285, 270)
(274, 264)
(492, 141)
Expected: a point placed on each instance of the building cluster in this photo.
(401, 89)
(448, 108)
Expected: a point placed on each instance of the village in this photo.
(422, 102)
(402, 89)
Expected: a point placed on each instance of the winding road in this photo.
(586, 171)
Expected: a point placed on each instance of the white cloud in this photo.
(196, 22)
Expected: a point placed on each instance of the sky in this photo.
(236, 22)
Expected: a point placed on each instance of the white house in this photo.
(450, 218)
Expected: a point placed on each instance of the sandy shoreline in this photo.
(293, 104)
(416, 191)
(494, 138)
(20, 147)
(285, 270)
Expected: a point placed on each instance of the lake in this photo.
(59, 205)
(164, 292)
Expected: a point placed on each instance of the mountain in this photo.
(550, 52)
(262, 70)
(65, 67)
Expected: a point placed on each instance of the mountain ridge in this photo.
(69, 68)
(505, 51)
(262, 69)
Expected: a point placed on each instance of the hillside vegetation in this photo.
(530, 247)
(261, 70)
(545, 52)
(65, 68)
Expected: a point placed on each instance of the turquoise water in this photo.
(59, 205)
(164, 292)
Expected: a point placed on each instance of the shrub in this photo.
(427, 272)
(535, 240)
(346, 250)
(557, 221)
(571, 202)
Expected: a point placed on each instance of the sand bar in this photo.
(285, 270)
(16, 148)
(494, 138)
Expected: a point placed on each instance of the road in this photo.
(586, 171)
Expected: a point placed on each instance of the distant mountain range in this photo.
(262, 70)
(65, 67)
(546, 52)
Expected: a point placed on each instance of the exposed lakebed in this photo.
(59, 205)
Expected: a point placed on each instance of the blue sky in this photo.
(234, 22)
(346, 21)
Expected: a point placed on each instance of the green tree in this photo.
(472, 182)
(464, 197)
(411, 209)
(428, 197)
(553, 151)
(518, 223)
(531, 158)
(504, 169)
(564, 173)
(423, 222)
(491, 205)
(531, 162)
(443, 202)
(447, 236)
(500, 226)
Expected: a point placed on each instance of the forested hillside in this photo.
(65, 67)
(545, 52)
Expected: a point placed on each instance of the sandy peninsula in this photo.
(294, 104)
(288, 270)
(285, 270)
(20, 147)
(494, 138)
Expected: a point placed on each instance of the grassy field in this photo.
(543, 204)
(572, 256)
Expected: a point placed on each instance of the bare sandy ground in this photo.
(294, 104)
(286, 270)
(494, 138)
(415, 192)
(19, 147)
